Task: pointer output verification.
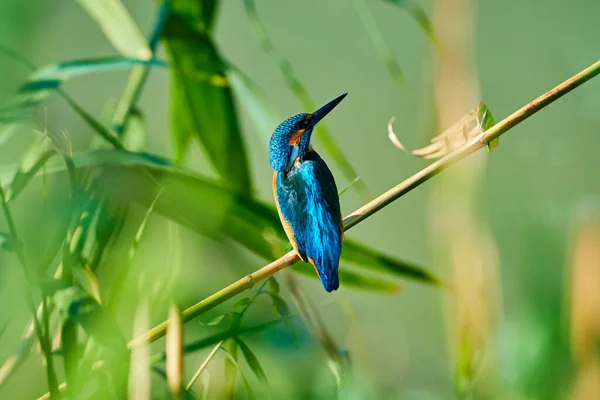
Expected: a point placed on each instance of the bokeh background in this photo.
(515, 231)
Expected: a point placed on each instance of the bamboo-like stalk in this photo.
(204, 365)
(383, 200)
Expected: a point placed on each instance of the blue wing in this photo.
(309, 208)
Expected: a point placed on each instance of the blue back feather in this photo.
(308, 200)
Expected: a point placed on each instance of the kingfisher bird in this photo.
(306, 195)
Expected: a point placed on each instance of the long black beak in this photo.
(323, 111)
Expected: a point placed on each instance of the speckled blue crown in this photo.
(279, 145)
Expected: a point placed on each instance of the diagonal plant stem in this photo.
(139, 74)
(385, 199)
(385, 53)
(303, 96)
(204, 365)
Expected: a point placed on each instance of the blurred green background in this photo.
(531, 196)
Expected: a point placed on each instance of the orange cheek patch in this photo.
(295, 139)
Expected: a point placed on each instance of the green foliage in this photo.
(201, 100)
(118, 27)
(104, 210)
(323, 135)
(252, 361)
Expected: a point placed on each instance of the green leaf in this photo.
(182, 126)
(48, 79)
(240, 304)
(252, 361)
(118, 27)
(139, 74)
(109, 222)
(50, 286)
(224, 335)
(31, 163)
(380, 44)
(419, 15)
(6, 242)
(365, 257)
(348, 186)
(234, 366)
(280, 307)
(136, 131)
(82, 308)
(215, 211)
(201, 99)
(231, 367)
(486, 121)
(254, 104)
(322, 133)
(273, 286)
(352, 279)
(216, 320)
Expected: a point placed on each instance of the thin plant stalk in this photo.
(139, 74)
(303, 96)
(385, 199)
(43, 337)
(204, 365)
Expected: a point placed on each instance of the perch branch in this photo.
(383, 200)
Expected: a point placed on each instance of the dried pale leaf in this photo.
(469, 127)
(140, 372)
(174, 353)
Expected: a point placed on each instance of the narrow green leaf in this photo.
(118, 27)
(368, 258)
(83, 309)
(486, 121)
(255, 104)
(48, 79)
(31, 163)
(201, 96)
(240, 304)
(252, 361)
(224, 335)
(139, 74)
(49, 286)
(280, 306)
(109, 223)
(215, 211)
(385, 53)
(136, 132)
(231, 367)
(353, 279)
(216, 320)
(348, 186)
(273, 286)
(419, 15)
(322, 133)
(182, 125)
(6, 242)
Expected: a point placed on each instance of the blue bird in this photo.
(306, 195)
